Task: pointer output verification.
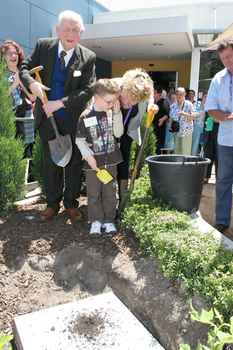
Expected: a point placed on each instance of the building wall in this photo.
(25, 21)
(203, 14)
(183, 68)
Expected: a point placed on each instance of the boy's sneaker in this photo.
(95, 228)
(109, 228)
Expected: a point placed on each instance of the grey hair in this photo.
(181, 89)
(70, 15)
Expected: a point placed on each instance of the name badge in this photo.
(77, 73)
(90, 122)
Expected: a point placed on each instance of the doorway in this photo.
(165, 79)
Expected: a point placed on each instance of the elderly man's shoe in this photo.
(47, 214)
(220, 227)
(74, 213)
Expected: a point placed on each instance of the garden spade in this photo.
(61, 147)
(126, 197)
(104, 176)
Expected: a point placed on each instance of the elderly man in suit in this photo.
(68, 77)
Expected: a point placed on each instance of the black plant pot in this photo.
(178, 179)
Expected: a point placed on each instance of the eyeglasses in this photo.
(12, 53)
(108, 102)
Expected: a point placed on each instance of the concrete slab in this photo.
(32, 187)
(99, 322)
(205, 227)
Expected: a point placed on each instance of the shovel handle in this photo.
(53, 122)
(150, 117)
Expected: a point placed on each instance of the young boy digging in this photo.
(97, 130)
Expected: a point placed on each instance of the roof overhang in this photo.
(153, 39)
(213, 45)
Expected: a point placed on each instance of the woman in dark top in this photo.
(159, 122)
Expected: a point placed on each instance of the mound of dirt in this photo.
(44, 264)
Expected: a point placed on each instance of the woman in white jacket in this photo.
(136, 96)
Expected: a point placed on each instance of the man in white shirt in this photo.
(219, 105)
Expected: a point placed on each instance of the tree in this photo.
(12, 164)
(149, 149)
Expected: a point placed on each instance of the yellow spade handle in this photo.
(149, 120)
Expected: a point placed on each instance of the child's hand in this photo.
(116, 106)
(92, 162)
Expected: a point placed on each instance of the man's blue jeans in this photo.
(224, 185)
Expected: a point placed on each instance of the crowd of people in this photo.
(103, 118)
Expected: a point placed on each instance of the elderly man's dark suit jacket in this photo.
(78, 91)
(79, 81)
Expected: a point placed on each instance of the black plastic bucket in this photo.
(178, 179)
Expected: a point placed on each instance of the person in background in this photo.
(159, 122)
(68, 76)
(98, 127)
(191, 96)
(169, 138)
(172, 97)
(136, 97)
(183, 112)
(210, 145)
(219, 105)
(163, 94)
(198, 122)
(22, 99)
(170, 90)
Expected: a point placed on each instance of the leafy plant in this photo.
(218, 336)
(7, 116)
(149, 149)
(38, 164)
(12, 172)
(5, 339)
(183, 252)
(12, 164)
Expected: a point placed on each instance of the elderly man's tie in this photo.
(62, 60)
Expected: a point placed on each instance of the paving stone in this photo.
(96, 323)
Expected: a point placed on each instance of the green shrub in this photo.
(12, 164)
(12, 172)
(7, 116)
(5, 339)
(220, 334)
(38, 164)
(150, 146)
(181, 250)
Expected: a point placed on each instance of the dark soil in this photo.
(88, 326)
(24, 235)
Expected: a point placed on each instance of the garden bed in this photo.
(44, 264)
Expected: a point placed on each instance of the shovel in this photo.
(104, 176)
(61, 147)
(126, 197)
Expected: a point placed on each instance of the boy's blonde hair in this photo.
(106, 86)
(138, 85)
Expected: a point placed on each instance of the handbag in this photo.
(176, 124)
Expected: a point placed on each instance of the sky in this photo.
(121, 5)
